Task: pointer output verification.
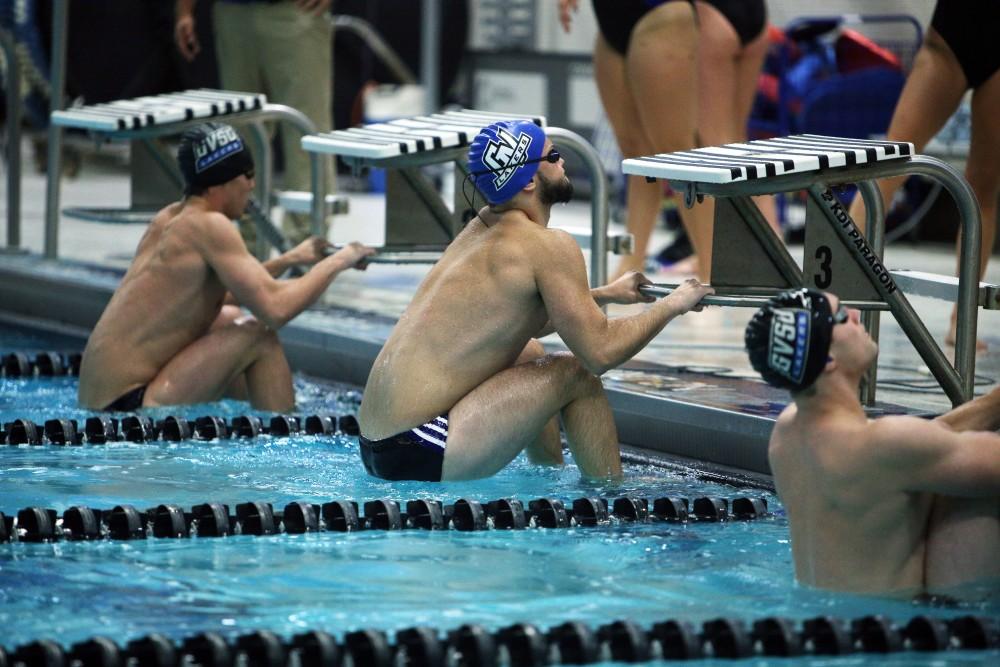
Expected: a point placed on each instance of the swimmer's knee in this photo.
(268, 336)
(228, 316)
(576, 372)
(533, 350)
(254, 332)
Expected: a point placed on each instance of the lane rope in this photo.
(212, 519)
(527, 645)
(103, 428)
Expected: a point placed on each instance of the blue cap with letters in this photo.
(788, 340)
(504, 157)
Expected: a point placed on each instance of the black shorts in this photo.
(417, 454)
(969, 27)
(128, 401)
(748, 17)
(617, 18)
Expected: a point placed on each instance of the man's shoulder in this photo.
(894, 427)
(197, 224)
(895, 434)
(836, 442)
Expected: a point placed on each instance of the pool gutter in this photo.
(71, 297)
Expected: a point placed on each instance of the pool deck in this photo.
(689, 394)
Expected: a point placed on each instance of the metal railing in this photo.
(12, 93)
(958, 380)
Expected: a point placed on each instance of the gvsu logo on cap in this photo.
(219, 144)
(789, 342)
(506, 155)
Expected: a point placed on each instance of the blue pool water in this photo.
(388, 580)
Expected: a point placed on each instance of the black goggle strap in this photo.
(552, 156)
(470, 178)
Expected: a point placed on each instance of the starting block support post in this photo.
(875, 233)
(838, 257)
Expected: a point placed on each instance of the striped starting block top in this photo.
(797, 154)
(406, 136)
(142, 112)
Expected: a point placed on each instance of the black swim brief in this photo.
(417, 454)
(128, 401)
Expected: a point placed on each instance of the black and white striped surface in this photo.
(763, 158)
(140, 112)
(406, 136)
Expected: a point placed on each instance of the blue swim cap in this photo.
(497, 156)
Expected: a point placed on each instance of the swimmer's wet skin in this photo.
(173, 332)
(893, 505)
(466, 348)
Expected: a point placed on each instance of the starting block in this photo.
(156, 179)
(415, 213)
(752, 263)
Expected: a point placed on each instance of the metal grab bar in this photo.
(366, 33)
(12, 93)
(57, 64)
(598, 199)
(746, 300)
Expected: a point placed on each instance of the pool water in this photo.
(386, 580)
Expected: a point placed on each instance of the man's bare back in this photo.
(874, 506)
(168, 297)
(471, 318)
(461, 386)
(166, 337)
(850, 530)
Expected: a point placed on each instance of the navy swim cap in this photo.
(212, 154)
(498, 154)
(788, 340)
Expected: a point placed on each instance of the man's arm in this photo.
(273, 302)
(598, 342)
(930, 457)
(980, 414)
(625, 290)
(308, 252)
(185, 36)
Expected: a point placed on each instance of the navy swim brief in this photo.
(417, 454)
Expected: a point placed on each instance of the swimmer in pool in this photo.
(461, 385)
(891, 505)
(173, 332)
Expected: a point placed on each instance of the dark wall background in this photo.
(398, 21)
(124, 48)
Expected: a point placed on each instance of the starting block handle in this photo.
(745, 300)
(390, 254)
